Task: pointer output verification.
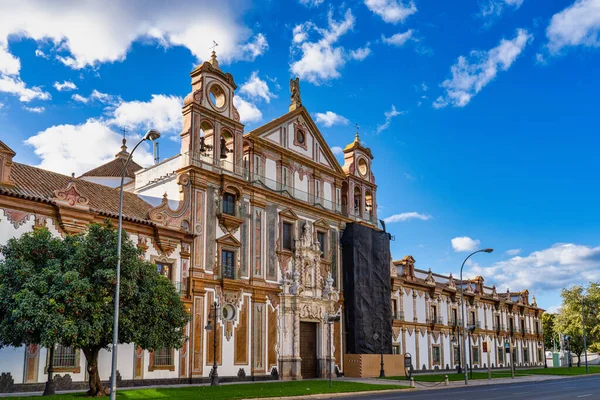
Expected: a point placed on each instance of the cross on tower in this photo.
(214, 46)
(124, 130)
(357, 127)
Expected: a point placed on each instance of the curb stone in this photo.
(332, 395)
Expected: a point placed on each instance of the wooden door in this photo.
(308, 349)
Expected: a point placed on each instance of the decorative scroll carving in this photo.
(165, 216)
(71, 196)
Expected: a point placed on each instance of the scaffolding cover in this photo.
(367, 290)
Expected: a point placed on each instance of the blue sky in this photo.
(482, 115)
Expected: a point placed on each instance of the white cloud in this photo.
(311, 3)
(576, 25)
(398, 39)
(255, 47)
(88, 33)
(1, 105)
(321, 60)
(337, 150)
(40, 53)
(493, 8)
(9, 64)
(360, 54)
(389, 115)
(409, 177)
(15, 86)
(79, 98)
(470, 76)
(464, 243)
(406, 216)
(248, 112)
(255, 88)
(161, 112)
(329, 118)
(37, 110)
(65, 86)
(559, 266)
(79, 148)
(391, 11)
(513, 252)
(104, 98)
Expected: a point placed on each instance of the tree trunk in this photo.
(579, 359)
(97, 389)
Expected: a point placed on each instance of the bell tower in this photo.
(212, 132)
(359, 190)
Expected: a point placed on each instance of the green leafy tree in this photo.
(550, 336)
(569, 318)
(56, 290)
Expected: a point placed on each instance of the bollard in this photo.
(446, 383)
(412, 382)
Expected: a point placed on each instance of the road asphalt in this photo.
(575, 388)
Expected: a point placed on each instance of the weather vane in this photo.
(357, 127)
(214, 46)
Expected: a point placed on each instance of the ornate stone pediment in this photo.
(288, 213)
(71, 196)
(429, 279)
(229, 240)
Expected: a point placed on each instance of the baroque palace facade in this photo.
(253, 222)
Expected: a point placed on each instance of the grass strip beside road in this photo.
(239, 391)
(562, 371)
(453, 377)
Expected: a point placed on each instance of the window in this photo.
(436, 354)
(497, 322)
(395, 349)
(258, 243)
(287, 236)
(454, 317)
(540, 354)
(475, 352)
(163, 357)
(322, 239)
(257, 165)
(164, 269)
(456, 355)
(317, 190)
(228, 264)
(434, 314)
(526, 355)
(65, 357)
(228, 204)
(472, 321)
(285, 177)
(511, 324)
(500, 355)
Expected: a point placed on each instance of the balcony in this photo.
(499, 328)
(256, 179)
(181, 288)
(435, 321)
(455, 322)
(399, 315)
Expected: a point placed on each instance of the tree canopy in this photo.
(61, 291)
(569, 318)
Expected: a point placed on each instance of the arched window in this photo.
(357, 201)
(369, 204)
(226, 150)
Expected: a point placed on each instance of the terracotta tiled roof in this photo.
(114, 168)
(39, 184)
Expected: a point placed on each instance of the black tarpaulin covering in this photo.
(367, 289)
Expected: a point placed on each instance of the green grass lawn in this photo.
(453, 376)
(239, 391)
(563, 371)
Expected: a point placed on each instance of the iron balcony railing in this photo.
(499, 327)
(181, 288)
(435, 320)
(259, 180)
(455, 322)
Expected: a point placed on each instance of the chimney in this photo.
(6, 156)
(156, 156)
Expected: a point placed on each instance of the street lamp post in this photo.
(152, 134)
(50, 388)
(584, 337)
(214, 376)
(455, 341)
(462, 301)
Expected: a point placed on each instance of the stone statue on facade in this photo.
(295, 98)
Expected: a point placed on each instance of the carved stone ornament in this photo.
(16, 217)
(71, 196)
(236, 114)
(469, 288)
(429, 279)
(193, 97)
(494, 293)
(165, 216)
(451, 283)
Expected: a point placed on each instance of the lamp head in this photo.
(152, 134)
(488, 250)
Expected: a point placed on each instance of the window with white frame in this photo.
(65, 357)
(436, 354)
(257, 165)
